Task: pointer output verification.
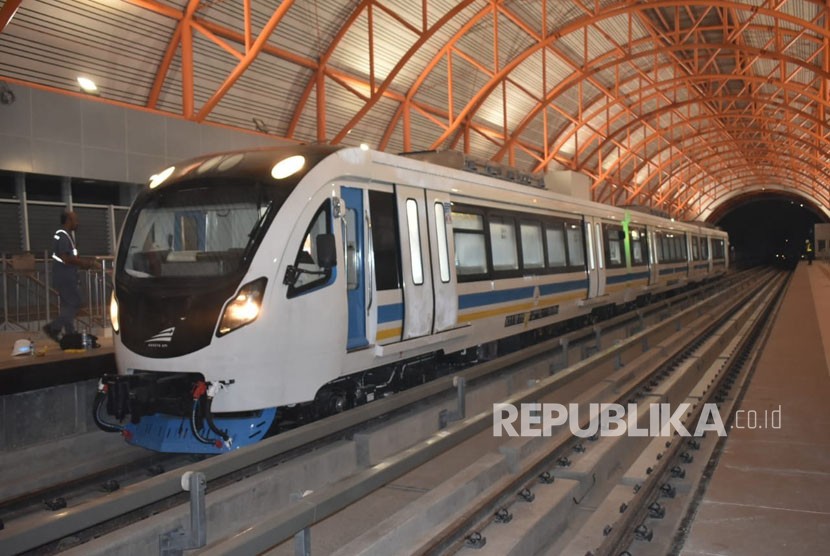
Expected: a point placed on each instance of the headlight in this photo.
(114, 313)
(243, 308)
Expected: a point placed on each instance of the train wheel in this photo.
(334, 399)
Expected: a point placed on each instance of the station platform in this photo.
(770, 491)
(49, 365)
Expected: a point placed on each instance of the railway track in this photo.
(335, 438)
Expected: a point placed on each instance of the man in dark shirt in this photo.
(65, 266)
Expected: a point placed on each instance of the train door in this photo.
(442, 255)
(415, 262)
(596, 264)
(354, 248)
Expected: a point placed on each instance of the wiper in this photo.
(252, 235)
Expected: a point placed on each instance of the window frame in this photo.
(442, 237)
(529, 221)
(718, 249)
(384, 202)
(518, 218)
(607, 228)
(414, 241)
(325, 279)
(642, 239)
(557, 224)
(476, 211)
(492, 217)
(672, 250)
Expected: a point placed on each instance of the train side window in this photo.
(718, 250)
(385, 240)
(704, 248)
(533, 255)
(443, 248)
(353, 254)
(638, 238)
(576, 248)
(684, 248)
(414, 228)
(614, 246)
(503, 243)
(695, 249)
(470, 246)
(311, 275)
(555, 235)
(661, 242)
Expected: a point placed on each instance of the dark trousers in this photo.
(70, 296)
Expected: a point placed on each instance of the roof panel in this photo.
(308, 28)
(118, 48)
(121, 45)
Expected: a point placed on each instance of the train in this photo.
(251, 283)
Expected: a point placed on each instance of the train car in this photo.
(326, 277)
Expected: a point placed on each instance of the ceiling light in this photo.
(364, 147)
(87, 85)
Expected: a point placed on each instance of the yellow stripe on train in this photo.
(515, 308)
(520, 307)
(623, 285)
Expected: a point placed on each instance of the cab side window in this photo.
(310, 274)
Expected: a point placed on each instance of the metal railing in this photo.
(28, 300)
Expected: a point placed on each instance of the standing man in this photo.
(810, 254)
(65, 276)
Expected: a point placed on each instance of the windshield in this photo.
(198, 231)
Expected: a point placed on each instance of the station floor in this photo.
(770, 491)
(46, 350)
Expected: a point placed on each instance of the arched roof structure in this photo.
(680, 105)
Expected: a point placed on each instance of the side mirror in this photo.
(326, 251)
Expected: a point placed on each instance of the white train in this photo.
(251, 281)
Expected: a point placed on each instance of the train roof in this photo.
(248, 163)
(257, 164)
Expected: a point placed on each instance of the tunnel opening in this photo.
(769, 229)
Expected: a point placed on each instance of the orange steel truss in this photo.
(674, 104)
(7, 12)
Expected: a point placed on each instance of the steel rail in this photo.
(562, 442)
(282, 524)
(623, 532)
(30, 533)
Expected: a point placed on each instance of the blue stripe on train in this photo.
(390, 313)
(626, 277)
(472, 300)
(673, 270)
(394, 311)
